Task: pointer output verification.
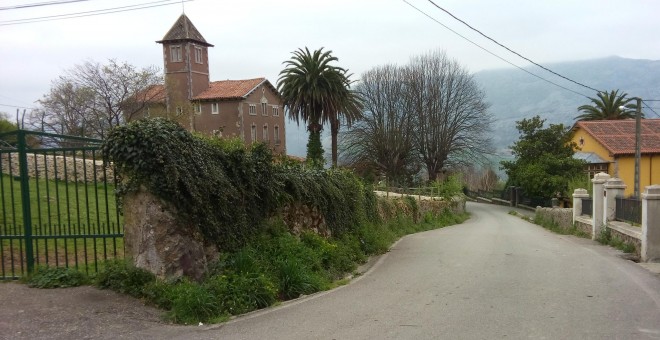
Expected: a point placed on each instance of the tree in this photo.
(608, 107)
(383, 138)
(92, 98)
(451, 116)
(429, 113)
(316, 92)
(6, 126)
(544, 163)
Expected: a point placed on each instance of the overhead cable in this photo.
(493, 54)
(512, 51)
(135, 7)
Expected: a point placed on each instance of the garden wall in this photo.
(58, 167)
(157, 242)
(563, 217)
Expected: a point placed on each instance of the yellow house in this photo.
(609, 146)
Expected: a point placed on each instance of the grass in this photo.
(67, 221)
(59, 207)
(551, 225)
(605, 237)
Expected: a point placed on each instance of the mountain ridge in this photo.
(514, 94)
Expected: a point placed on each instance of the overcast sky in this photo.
(253, 38)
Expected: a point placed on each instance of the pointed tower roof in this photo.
(184, 30)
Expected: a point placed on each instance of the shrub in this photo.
(241, 293)
(192, 303)
(124, 278)
(57, 277)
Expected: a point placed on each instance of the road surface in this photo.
(495, 276)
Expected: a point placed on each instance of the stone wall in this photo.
(59, 167)
(155, 241)
(562, 216)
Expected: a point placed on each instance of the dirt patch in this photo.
(72, 313)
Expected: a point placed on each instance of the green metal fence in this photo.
(58, 204)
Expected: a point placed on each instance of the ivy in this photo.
(223, 189)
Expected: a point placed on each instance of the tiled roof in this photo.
(618, 136)
(230, 89)
(153, 94)
(183, 29)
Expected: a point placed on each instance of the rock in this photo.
(156, 241)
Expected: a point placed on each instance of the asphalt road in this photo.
(494, 276)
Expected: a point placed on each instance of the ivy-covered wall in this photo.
(204, 193)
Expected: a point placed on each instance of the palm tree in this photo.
(608, 106)
(316, 92)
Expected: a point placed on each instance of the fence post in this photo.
(651, 224)
(578, 195)
(25, 197)
(599, 196)
(614, 188)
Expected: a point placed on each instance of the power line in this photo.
(93, 13)
(40, 4)
(648, 107)
(18, 107)
(493, 54)
(512, 51)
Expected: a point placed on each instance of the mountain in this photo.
(515, 94)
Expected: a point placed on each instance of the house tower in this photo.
(186, 63)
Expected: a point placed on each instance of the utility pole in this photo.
(638, 143)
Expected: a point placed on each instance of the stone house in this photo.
(249, 109)
(609, 146)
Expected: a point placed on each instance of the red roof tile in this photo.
(618, 136)
(153, 94)
(230, 89)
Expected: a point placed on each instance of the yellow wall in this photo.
(592, 145)
(623, 166)
(649, 171)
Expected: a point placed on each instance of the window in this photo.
(215, 108)
(276, 111)
(198, 108)
(175, 53)
(253, 133)
(276, 134)
(198, 54)
(265, 133)
(253, 109)
(263, 109)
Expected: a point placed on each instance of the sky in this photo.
(253, 38)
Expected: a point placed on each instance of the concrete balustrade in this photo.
(651, 224)
(605, 192)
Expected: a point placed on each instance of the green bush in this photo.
(192, 303)
(241, 293)
(57, 277)
(124, 278)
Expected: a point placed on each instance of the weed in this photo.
(124, 278)
(192, 303)
(57, 277)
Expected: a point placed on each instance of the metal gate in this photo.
(58, 204)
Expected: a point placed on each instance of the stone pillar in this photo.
(651, 224)
(614, 188)
(578, 195)
(597, 221)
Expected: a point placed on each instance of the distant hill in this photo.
(514, 94)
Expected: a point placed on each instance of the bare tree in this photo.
(91, 98)
(451, 116)
(383, 138)
(429, 113)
